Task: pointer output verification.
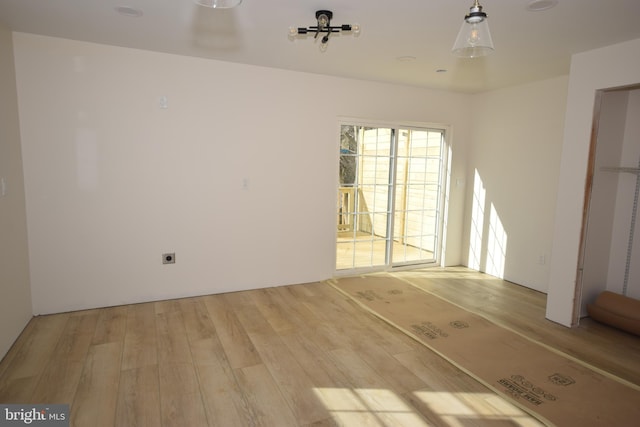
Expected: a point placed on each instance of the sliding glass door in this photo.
(390, 196)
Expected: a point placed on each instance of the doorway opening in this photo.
(390, 197)
(609, 257)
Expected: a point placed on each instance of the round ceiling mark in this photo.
(540, 5)
(129, 11)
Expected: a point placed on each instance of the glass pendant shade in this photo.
(474, 39)
(219, 4)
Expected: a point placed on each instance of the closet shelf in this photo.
(620, 169)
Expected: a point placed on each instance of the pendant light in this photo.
(474, 38)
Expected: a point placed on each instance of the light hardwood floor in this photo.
(285, 356)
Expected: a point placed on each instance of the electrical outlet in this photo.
(169, 258)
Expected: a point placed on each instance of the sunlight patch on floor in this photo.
(370, 407)
(382, 407)
(458, 409)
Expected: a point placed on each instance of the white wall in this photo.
(113, 181)
(517, 137)
(609, 67)
(15, 299)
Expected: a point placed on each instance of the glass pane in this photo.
(380, 225)
(348, 152)
(418, 175)
(347, 170)
(344, 254)
(378, 256)
(363, 254)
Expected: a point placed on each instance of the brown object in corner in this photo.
(616, 310)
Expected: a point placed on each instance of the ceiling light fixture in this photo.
(218, 4)
(323, 26)
(474, 38)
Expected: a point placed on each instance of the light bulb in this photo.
(355, 29)
(323, 20)
(293, 31)
(474, 37)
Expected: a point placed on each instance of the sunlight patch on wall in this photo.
(496, 245)
(445, 216)
(477, 223)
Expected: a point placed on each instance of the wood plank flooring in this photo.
(300, 355)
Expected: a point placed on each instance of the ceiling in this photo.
(402, 41)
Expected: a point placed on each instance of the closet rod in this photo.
(621, 169)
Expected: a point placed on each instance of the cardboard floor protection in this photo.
(552, 387)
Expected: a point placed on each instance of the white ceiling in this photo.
(529, 45)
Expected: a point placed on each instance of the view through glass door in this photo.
(390, 196)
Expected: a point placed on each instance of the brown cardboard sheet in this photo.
(551, 386)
